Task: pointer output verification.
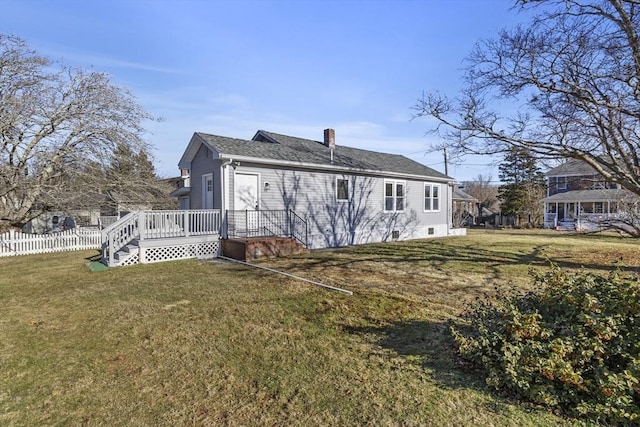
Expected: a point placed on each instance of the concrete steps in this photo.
(249, 249)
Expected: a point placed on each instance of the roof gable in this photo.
(192, 149)
(572, 167)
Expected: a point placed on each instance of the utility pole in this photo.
(446, 162)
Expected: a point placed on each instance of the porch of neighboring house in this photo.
(156, 236)
(589, 216)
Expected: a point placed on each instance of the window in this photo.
(342, 189)
(431, 197)
(394, 196)
(561, 182)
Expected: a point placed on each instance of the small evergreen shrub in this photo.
(573, 345)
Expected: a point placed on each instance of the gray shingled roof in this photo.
(459, 194)
(299, 150)
(571, 167)
(599, 195)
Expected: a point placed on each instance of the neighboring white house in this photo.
(347, 195)
(579, 198)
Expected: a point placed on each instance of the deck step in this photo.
(127, 251)
(130, 248)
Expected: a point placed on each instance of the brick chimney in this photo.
(330, 138)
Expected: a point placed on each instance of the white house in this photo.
(580, 198)
(346, 195)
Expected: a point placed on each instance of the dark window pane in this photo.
(343, 189)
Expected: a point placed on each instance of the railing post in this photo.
(110, 246)
(186, 222)
(142, 224)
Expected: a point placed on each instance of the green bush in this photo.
(573, 345)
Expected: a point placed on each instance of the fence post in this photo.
(12, 243)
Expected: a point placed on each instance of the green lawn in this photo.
(197, 343)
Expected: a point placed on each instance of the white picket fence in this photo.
(17, 243)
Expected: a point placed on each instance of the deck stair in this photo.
(129, 253)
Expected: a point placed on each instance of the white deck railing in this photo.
(17, 243)
(185, 223)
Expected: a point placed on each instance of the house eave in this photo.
(182, 191)
(334, 168)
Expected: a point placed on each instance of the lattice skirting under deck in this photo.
(183, 251)
(131, 260)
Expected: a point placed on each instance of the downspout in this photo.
(224, 195)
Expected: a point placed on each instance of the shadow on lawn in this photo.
(95, 258)
(438, 254)
(433, 346)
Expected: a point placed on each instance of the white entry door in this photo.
(207, 191)
(246, 192)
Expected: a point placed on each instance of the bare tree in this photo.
(58, 126)
(565, 86)
(483, 189)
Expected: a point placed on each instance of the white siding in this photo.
(361, 219)
(201, 164)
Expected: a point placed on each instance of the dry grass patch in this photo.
(450, 272)
(194, 343)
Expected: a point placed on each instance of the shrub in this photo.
(572, 345)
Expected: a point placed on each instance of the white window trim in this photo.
(439, 198)
(338, 199)
(395, 182)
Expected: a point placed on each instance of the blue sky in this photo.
(289, 66)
